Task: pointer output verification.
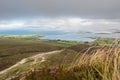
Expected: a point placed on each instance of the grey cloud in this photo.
(93, 9)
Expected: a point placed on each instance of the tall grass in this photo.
(101, 64)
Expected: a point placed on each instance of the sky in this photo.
(97, 16)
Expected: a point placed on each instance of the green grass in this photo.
(65, 43)
(25, 37)
(104, 41)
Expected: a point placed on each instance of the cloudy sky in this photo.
(60, 15)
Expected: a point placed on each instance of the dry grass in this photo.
(103, 63)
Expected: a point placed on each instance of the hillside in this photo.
(102, 64)
(13, 50)
(39, 61)
(58, 60)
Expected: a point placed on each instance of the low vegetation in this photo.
(102, 64)
(76, 61)
(16, 47)
(13, 50)
(104, 41)
(65, 42)
(25, 37)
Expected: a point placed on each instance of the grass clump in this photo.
(102, 64)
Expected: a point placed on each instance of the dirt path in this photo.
(35, 57)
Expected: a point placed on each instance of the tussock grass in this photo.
(102, 64)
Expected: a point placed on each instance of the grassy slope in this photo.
(63, 58)
(13, 50)
(16, 47)
(101, 64)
